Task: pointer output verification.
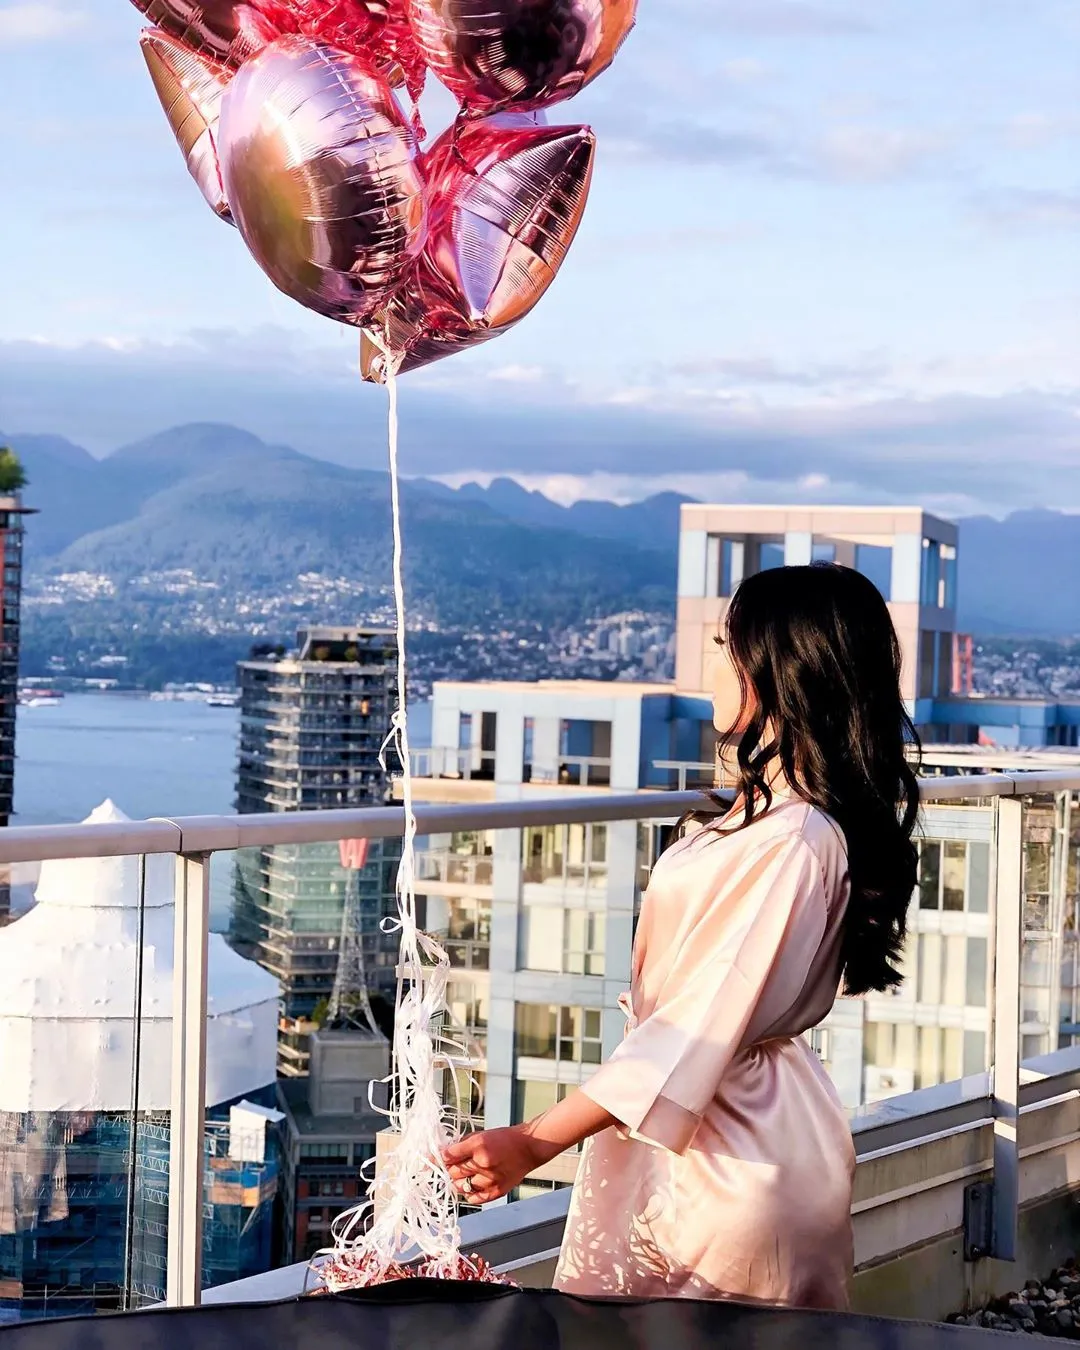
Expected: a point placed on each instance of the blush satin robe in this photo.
(731, 1176)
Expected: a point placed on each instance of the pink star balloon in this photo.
(229, 31)
(321, 171)
(190, 87)
(507, 197)
(232, 31)
(496, 54)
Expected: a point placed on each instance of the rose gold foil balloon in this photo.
(495, 54)
(226, 30)
(376, 29)
(507, 197)
(322, 174)
(190, 87)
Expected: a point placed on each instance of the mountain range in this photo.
(231, 508)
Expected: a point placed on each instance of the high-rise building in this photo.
(12, 515)
(312, 727)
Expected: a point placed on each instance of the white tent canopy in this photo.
(67, 994)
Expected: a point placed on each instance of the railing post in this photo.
(1008, 946)
(187, 1139)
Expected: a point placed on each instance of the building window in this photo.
(875, 563)
(931, 573)
(820, 1043)
(947, 581)
(954, 876)
(904, 1057)
(468, 933)
(585, 753)
(463, 1092)
(533, 1099)
(566, 855)
(468, 1005)
(564, 1035)
(726, 565)
(943, 965)
(927, 671)
(946, 644)
(564, 941)
(337, 1153)
(584, 942)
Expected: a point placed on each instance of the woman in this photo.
(719, 1161)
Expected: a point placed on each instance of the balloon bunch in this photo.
(287, 116)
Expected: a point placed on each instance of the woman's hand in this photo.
(485, 1167)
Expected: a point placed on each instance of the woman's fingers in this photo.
(459, 1151)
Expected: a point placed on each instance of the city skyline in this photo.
(828, 253)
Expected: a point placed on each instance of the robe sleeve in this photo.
(662, 1078)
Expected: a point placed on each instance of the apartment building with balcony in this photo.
(910, 555)
(540, 922)
(312, 727)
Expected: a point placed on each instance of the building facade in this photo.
(12, 517)
(329, 1135)
(909, 555)
(312, 729)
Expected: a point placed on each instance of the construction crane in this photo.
(350, 1006)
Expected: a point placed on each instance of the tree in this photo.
(12, 473)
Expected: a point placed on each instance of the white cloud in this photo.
(1030, 130)
(868, 154)
(725, 488)
(517, 374)
(1030, 208)
(37, 22)
(743, 70)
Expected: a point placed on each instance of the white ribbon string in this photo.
(416, 1215)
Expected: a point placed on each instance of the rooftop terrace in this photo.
(964, 1189)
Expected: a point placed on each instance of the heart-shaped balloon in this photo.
(496, 54)
(322, 174)
(506, 200)
(190, 87)
(229, 31)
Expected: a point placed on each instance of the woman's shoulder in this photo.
(790, 820)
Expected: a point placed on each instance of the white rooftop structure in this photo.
(67, 992)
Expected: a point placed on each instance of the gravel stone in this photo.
(1049, 1308)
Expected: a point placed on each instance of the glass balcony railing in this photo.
(237, 984)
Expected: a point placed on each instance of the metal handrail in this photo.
(210, 834)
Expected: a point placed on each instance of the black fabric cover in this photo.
(422, 1315)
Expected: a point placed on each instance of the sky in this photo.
(831, 255)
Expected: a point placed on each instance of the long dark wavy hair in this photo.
(818, 662)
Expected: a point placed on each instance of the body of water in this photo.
(152, 758)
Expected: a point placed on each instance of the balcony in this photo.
(440, 867)
(965, 1187)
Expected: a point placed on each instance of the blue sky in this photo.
(831, 254)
